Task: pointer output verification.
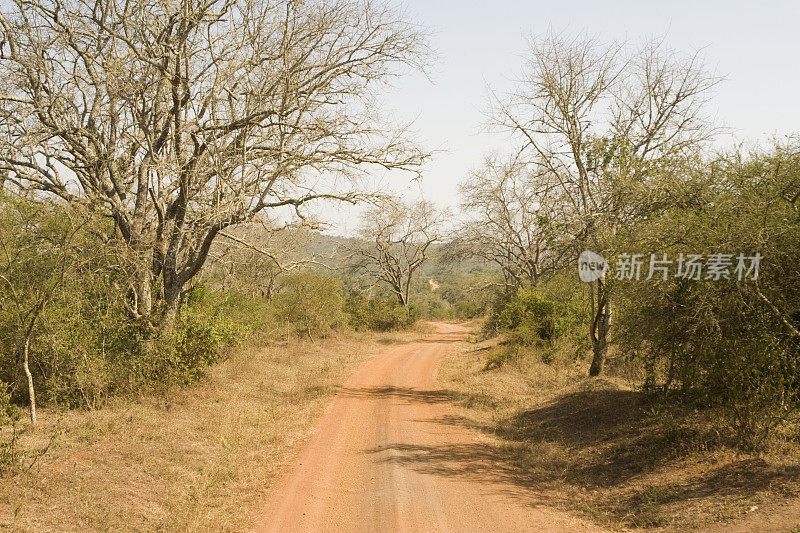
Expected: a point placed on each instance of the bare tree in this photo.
(509, 220)
(254, 256)
(180, 118)
(602, 121)
(396, 242)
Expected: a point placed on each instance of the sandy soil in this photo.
(383, 455)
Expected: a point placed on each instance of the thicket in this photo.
(729, 344)
(67, 337)
(66, 299)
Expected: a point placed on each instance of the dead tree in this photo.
(179, 119)
(254, 256)
(508, 212)
(602, 120)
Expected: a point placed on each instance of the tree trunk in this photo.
(601, 323)
(270, 288)
(172, 299)
(144, 295)
(403, 298)
(670, 373)
(23, 357)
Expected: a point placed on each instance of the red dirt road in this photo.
(389, 455)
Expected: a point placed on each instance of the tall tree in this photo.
(603, 120)
(180, 118)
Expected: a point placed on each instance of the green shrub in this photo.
(193, 347)
(469, 309)
(378, 313)
(312, 304)
(531, 318)
(498, 303)
(466, 292)
(729, 344)
(10, 415)
(429, 305)
(500, 355)
(204, 328)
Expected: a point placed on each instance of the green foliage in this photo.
(84, 346)
(430, 305)
(498, 303)
(469, 309)
(535, 317)
(10, 415)
(94, 355)
(377, 313)
(192, 347)
(465, 292)
(49, 262)
(726, 343)
(8, 411)
(501, 355)
(311, 303)
(203, 330)
(530, 318)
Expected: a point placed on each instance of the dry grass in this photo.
(194, 460)
(599, 448)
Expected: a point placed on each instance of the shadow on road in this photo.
(404, 393)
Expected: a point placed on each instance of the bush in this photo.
(85, 347)
(312, 304)
(429, 305)
(469, 309)
(10, 414)
(88, 349)
(500, 355)
(531, 318)
(378, 313)
(727, 344)
(465, 292)
(203, 329)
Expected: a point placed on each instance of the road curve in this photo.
(389, 455)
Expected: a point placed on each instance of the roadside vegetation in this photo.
(190, 459)
(612, 453)
(649, 397)
(173, 317)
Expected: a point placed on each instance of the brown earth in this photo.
(389, 455)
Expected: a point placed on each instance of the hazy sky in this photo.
(756, 45)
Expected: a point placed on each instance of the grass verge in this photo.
(609, 453)
(196, 459)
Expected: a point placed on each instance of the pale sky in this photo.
(755, 45)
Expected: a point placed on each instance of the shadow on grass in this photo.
(596, 442)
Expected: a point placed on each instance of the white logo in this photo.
(591, 266)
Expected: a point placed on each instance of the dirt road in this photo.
(389, 455)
